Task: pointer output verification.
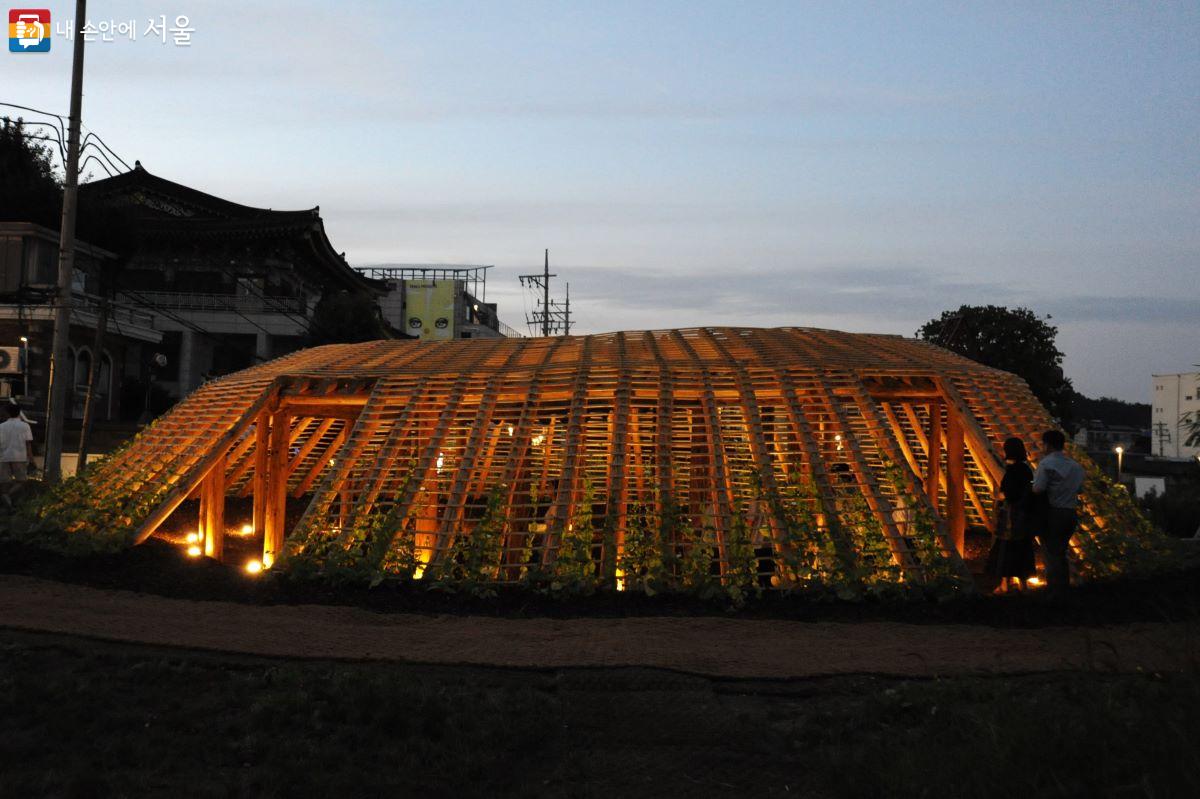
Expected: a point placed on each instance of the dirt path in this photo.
(741, 648)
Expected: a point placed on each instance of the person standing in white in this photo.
(16, 453)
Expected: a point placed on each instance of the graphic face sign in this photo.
(430, 309)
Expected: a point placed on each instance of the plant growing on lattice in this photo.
(573, 568)
(474, 557)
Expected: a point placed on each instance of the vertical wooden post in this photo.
(956, 515)
(202, 515)
(213, 496)
(259, 479)
(933, 459)
(276, 498)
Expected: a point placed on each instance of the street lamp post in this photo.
(1120, 457)
(25, 368)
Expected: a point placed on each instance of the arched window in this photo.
(104, 387)
(83, 362)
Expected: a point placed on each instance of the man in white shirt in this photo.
(1059, 478)
(16, 452)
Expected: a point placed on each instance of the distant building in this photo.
(1096, 436)
(1176, 399)
(438, 301)
(28, 287)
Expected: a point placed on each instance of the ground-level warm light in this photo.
(194, 551)
(247, 529)
(510, 429)
(253, 566)
(193, 538)
(1034, 581)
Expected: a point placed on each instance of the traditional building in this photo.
(228, 285)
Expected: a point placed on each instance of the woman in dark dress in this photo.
(1012, 552)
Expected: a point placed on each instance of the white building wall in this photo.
(1174, 396)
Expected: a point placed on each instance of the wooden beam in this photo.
(933, 453)
(214, 506)
(300, 401)
(956, 517)
(322, 461)
(720, 489)
(276, 500)
(560, 513)
(197, 473)
(982, 448)
(310, 443)
(618, 479)
(868, 484)
(258, 480)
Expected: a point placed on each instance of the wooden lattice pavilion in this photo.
(723, 423)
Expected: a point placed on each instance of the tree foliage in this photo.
(30, 187)
(1013, 339)
(345, 318)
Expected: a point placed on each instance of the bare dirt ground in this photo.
(718, 647)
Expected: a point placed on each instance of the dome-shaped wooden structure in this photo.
(733, 431)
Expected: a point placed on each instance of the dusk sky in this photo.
(860, 167)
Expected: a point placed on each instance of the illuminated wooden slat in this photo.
(321, 462)
(259, 482)
(718, 480)
(562, 510)
(933, 452)
(193, 476)
(914, 463)
(886, 436)
(686, 412)
(662, 428)
(316, 429)
(872, 494)
(758, 446)
(466, 463)
(618, 488)
(521, 443)
(956, 518)
(214, 511)
(275, 513)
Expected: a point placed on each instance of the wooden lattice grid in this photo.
(717, 420)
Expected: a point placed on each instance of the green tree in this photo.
(30, 187)
(345, 318)
(1013, 339)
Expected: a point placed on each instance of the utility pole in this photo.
(89, 400)
(552, 316)
(542, 282)
(60, 381)
(546, 296)
(1163, 432)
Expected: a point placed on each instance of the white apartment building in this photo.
(1175, 399)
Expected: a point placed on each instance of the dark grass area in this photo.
(159, 568)
(87, 719)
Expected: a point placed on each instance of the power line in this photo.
(552, 316)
